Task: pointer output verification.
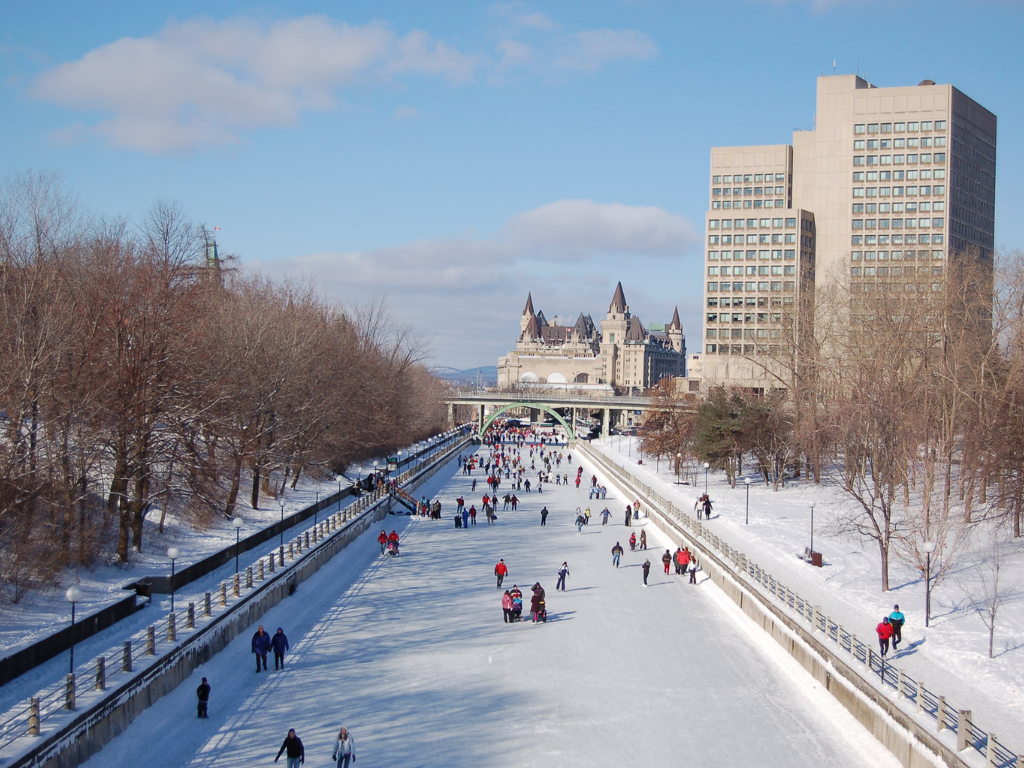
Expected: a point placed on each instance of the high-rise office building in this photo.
(889, 186)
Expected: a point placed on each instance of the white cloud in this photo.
(513, 53)
(518, 15)
(204, 82)
(406, 113)
(586, 225)
(589, 50)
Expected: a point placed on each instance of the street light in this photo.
(73, 595)
(173, 553)
(707, 466)
(812, 528)
(281, 502)
(929, 547)
(746, 520)
(237, 522)
(316, 508)
(679, 458)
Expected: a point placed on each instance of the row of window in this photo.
(877, 223)
(749, 301)
(899, 191)
(747, 178)
(736, 191)
(897, 255)
(744, 317)
(910, 175)
(926, 125)
(716, 204)
(746, 333)
(900, 239)
(925, 157)
(787, 285)
(762, 255)
(889, 207)
(749, 223)
(926, 142)
(752, 270)
(763, 238)
(894, 271)
(747, 349)
(896, 286)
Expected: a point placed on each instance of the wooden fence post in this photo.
(190, 622)
(172, 627)
(236, 586)
(151, 640)
(259, 570)
(223, 593)
(127, 662)
(33, 716)
(919, 698)
(248, 577)
(940, 714)
(69, 692)
(207, 605)
(101, 673)
(963, 729)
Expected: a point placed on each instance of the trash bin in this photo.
(816, 559)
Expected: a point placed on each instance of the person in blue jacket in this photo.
(280, 644)
(261, 646)
(897, 619)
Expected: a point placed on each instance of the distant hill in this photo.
(486, 375)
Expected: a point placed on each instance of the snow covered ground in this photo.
(950, 657)
(411, 655)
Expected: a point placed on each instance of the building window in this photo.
(859, 128)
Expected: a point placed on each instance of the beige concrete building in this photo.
(889, 185)
(621, 355)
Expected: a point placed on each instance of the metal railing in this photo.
(934, 705)
(119, 664)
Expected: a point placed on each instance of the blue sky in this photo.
(449, 157)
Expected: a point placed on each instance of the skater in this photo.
(562, 573)
(632, 542)
(296, 752)
(460, 504)
(693, 570)
(501, 571)
(897, 620)
(466, 513)
(203, 693)
(537, 608)
(666, 560)
(544, 516)
(473, 489)
(579, 521)
(515, 502)
(517, 603)
(605, 514)
(586, 516)
(629, 516)
(707, 507)
(506, 606)
(458, 521)
(636, 509)
(280, 644)
(647, 570)
(616, 553)
(643, 539)
(382, 540)
(884, 631)
(472, 515)
(260, 646)
(344, 748)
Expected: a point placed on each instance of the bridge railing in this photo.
(887, 675)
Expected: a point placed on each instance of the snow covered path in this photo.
(412, 656)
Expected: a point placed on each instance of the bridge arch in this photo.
(539, 406)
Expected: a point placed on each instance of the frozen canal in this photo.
(411, 655)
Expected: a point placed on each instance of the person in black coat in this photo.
(280, 644)
(296, 752)
(260, 647)
(203, 692)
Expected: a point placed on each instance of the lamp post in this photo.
(812, 527)
(679, 458)
(929, 547)
(173, 553)
(399, 462)
(281, 543)
(73, 595)
(237, 522)
(375, 478)
(746, 519)
(707, 466)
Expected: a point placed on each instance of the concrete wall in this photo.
(911, 743)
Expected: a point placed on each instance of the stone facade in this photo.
(620, 355)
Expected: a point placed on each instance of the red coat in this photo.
(393, 536)
(383, 538)
(501, 569)
(884, 631)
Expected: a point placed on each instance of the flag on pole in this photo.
(216, 229)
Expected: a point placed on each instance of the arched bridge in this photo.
(611, 407)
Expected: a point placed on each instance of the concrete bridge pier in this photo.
(606, 415)
(480, 418)
(534, 415)
(451, 414)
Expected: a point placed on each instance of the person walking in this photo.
(506, 606)
(562, 573)
(279, 642)
(632, 542)
(616, 553)
(261, 646)
(693, 569)
(643, 539)
(296, 753)
(383, 541)
(647, 570)
(629, 515)
(666, 560)
(544, 516)
(897, 620)
(537, 608)
(501, 571)
(884, 631)
(203, 694)
(707, 507)
(344, 748)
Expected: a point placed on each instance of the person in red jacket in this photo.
(884, 631)
(501, 571)
(383, 541)
(393, 537)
